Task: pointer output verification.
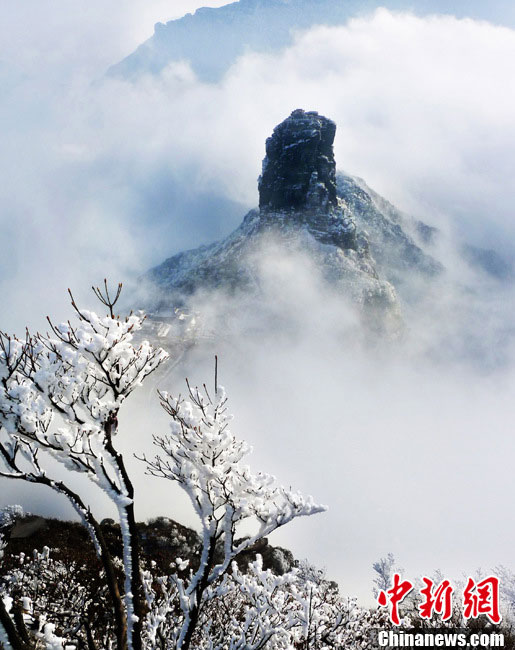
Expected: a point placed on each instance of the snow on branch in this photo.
(60, 394)
(203, 456)
(206, 459)
(61, 391)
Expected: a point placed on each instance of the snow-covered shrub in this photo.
(52, 595)
(259, 609)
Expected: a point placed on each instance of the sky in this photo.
(106, 178)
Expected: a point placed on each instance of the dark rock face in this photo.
(299, 170)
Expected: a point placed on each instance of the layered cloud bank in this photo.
(423, 110)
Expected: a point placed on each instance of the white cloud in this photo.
(412, 453)
(423, 108)
(58, 37)
(109, 178)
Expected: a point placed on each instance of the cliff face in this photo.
(297, 187)
(299, 171)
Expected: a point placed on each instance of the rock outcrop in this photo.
(299, 171)
(297, 187)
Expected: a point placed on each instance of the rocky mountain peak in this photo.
(359, 242)
(297, 187)
(299, 170)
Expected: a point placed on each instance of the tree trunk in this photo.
(14, 638)
(133, 586)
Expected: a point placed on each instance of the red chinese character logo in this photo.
(482, 598)
(437, 599)
(396, 595)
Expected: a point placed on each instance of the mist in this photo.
(406, 438)
(407, 441)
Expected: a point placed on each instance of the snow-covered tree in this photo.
(60, 394)
(384, 569)
(202, 455)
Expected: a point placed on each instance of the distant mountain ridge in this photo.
(212, 39)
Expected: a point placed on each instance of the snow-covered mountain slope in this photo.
(396, 239)
(212, 39)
